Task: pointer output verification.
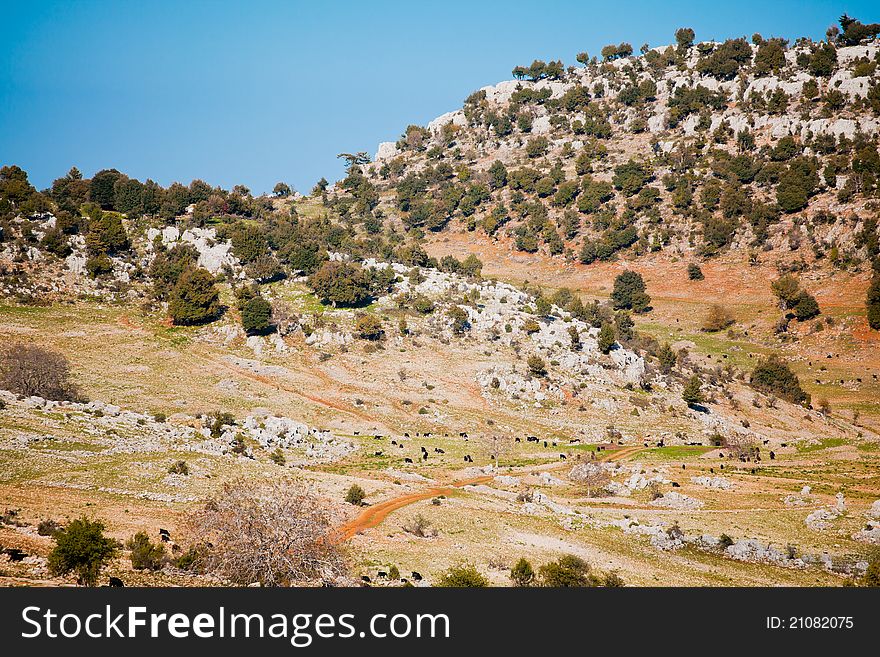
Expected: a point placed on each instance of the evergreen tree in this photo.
(629, 292)
(194, 298)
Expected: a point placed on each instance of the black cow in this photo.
(675, 484)
(772, 455)
(365, 579)
(377, 453)
(517, 439)
(563, 457)
(417, 576)
(15, 554)
(406, 435)
(116, 582)
(393, 442)
(381, 573)
(545, 443)
(407, 460)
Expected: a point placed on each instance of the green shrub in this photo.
(145, 555)
(277, 457)
(462, 576)
(872, 303)
(368, 327)
(537, 366)
(355, 495)
(255, 315)
(82, 548)
(629, 292)
(568, 571)
(606, 338)
(341, 283)
(694, 272)
(194, 298)
(179, 468)
(774, 377)
(522, 573)
(692, 393)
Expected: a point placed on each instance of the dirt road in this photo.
(373, 515)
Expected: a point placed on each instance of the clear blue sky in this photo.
(256, 92)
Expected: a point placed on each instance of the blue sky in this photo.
(261, 91)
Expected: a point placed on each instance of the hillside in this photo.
(623, 310)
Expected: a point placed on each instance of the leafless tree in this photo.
(30, 370)
(496, 447)
(589, 475)
(277, 534)
(743, 447)
(419, 526)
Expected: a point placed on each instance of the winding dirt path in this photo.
(373, 515)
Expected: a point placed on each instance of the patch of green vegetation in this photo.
(824, 443)
(672, 453)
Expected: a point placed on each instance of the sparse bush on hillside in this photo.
(369, 327)
(537, 367)
(522, 574)
(667, 358)
(694, 272)
(717, 319)
(168, 265)
(179, 468)
(278, 535)
(145, 555)
(462, 576)
(692, 394)
(49, 528)
(460, 323)
(29, 370)
(607, 338)
(568, 571)
(773, 376)
(355, 495)
(419, 526)
(792, 297)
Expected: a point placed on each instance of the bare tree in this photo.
(743, 447)
(277, 534)
(496, 447)
(589, 475)
(30, 370)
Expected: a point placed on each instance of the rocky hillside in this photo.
(751, 145)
